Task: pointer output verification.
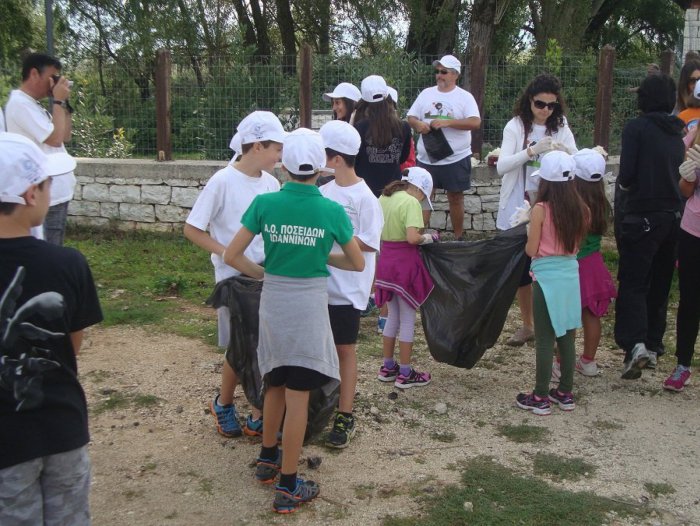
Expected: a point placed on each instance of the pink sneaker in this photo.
(680, 377)
(414, 379)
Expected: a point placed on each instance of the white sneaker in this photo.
(632, 368)
(556, 372)
(587, 369)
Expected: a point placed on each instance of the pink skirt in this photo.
(597, 286)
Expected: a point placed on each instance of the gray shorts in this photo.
(455, 177)
(55, 223)
(53, 491)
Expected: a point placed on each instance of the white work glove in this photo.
(544, 145)
(427, 239)
(687, 170)
(693, 154)
(521, 214)
(556, 145)
(600, 150)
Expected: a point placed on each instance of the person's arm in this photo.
(62, 120)
(534, 233)
(418, 125)
(629, 149)
(512, 155)
(203, 240)
(76, 339)
(363, 246)
(350, 259)
(234, 257)
(470, 123)
(413, 235)
(687, 188)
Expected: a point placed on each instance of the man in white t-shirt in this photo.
(218, 209)
(348, 292)
(453, 110)
(25, 115)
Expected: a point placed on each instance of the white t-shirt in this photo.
(26, 116)
(220, 206)
(454, 104)
(2, 121)
(347, 287)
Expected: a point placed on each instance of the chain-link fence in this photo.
(115, 104)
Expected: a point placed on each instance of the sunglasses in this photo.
(441, 72)
(693, 80)
(540, 104)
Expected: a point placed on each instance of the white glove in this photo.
(687, 170)
(521, 214)
(427, 239)
(556, 145)
(694, 154)
(544, 145)
(600, 150)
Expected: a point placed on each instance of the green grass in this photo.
(522, 433)
(561, 468)
(118, 400)
(656, 489)
(501, 497)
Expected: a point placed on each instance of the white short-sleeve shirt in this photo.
(346, 287)
(220, 206)
(26, 116)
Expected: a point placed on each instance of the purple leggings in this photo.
(401, 320)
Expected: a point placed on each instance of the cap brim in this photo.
(59, 164)
(328, 97)
(536, 173)
(426, 204)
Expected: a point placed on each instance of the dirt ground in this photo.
(157, 458)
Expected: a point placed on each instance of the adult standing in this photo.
(687, 105)
(453, 111)
(647, 213)
(537, 127)
(24, 114)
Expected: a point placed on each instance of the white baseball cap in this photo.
(421, 178)
(393, 94)
(556, 166)
(344, 90)
(590, 165)
(341, 137)
(261, 126)
(374, 88)
(235, 144)
(23, 164)
(303, 152)
(449, 62)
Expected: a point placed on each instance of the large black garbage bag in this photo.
(475, 283)
(242, 297)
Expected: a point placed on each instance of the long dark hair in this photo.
(544, 83)
(568, 211)
(349, 108)
(593, 194)
(685, 98)
(395, 186)
(384, 124)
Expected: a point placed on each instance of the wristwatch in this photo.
(64, 104)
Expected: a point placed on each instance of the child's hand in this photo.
(427, 239)
(521, 214)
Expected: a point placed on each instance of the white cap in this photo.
(23, 164)
(341, 137)
(590, 165)
(235, 144)
(374, 88)
(303, 152)
(261, 126)
(421, 178)
(393, 94)
(449, 62)
(554, 165)
(344, 90)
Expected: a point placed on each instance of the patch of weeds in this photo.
(132, 493)
(149, 466)
(206, 486)
(522, 433)
(114, 401)
(386, 492)
(420, 460)
(656, 489)
(171, 515)
(364, 491)
(607, 425)
(561, 468)
(410, 423)
(480, 423)
(169, 285)
(501, 497)
(443, 436)
(146, 400)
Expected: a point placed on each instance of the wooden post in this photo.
(478, 67)
(305, 76)
(667, 62)
(603, 101)
(164, 143)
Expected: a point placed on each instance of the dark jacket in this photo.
(652, 151)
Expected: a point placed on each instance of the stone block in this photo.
(180, 182)
(489, 190)
(184, 196)
(483, 222)
(88, 221)
(489, 206)
(490, 198)
(147, 181)
(137, 212)
(125, 194)
(438, 220)
(155, 227)
(472, 204)
(172, 214)
(159, 195)
(84, 208)
(96, 192)
(83, 179)
(78, 192)
(109, 210)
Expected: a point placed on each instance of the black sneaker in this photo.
(289, 501)
(343, 431)
(266, 470)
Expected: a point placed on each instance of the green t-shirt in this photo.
(590, 244)
(401, 211)
(298, 226)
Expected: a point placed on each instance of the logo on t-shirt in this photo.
(294, 234)
(440, 110)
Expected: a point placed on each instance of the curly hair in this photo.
(544, 83)
(685, 98)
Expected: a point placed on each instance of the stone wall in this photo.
(147, 195)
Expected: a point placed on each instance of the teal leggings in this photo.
(544, 347)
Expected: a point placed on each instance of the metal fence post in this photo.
(667, 62)
(305, 77)
(603, 100)
(164, 143)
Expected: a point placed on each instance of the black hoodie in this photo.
(652, 151)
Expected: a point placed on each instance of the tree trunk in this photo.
(432, 26)
(249, 38)
(289, 44)
(262, 34)
(562, 20)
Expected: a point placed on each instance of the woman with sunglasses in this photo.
(537, 127)
(687, 105)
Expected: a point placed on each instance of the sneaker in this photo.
(678, 379)
(414, 379)
(587, 369)
(556, 372)
(633, 367)
(226, 418)
(289, 502)
(521, 337)
(266, 470)
(527, 401)
(651, 364)
(253, 428)
(565, 400)
(388, 375)
(371, 305)
(343, 431)
(381, 322)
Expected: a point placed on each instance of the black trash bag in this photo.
(242, 297)
(475, 283)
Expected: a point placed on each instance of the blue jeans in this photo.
(55, 223)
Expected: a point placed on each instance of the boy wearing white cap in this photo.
(449, 108)
(348, 292)
(218, 209)
(44, 463)
(296, 353)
